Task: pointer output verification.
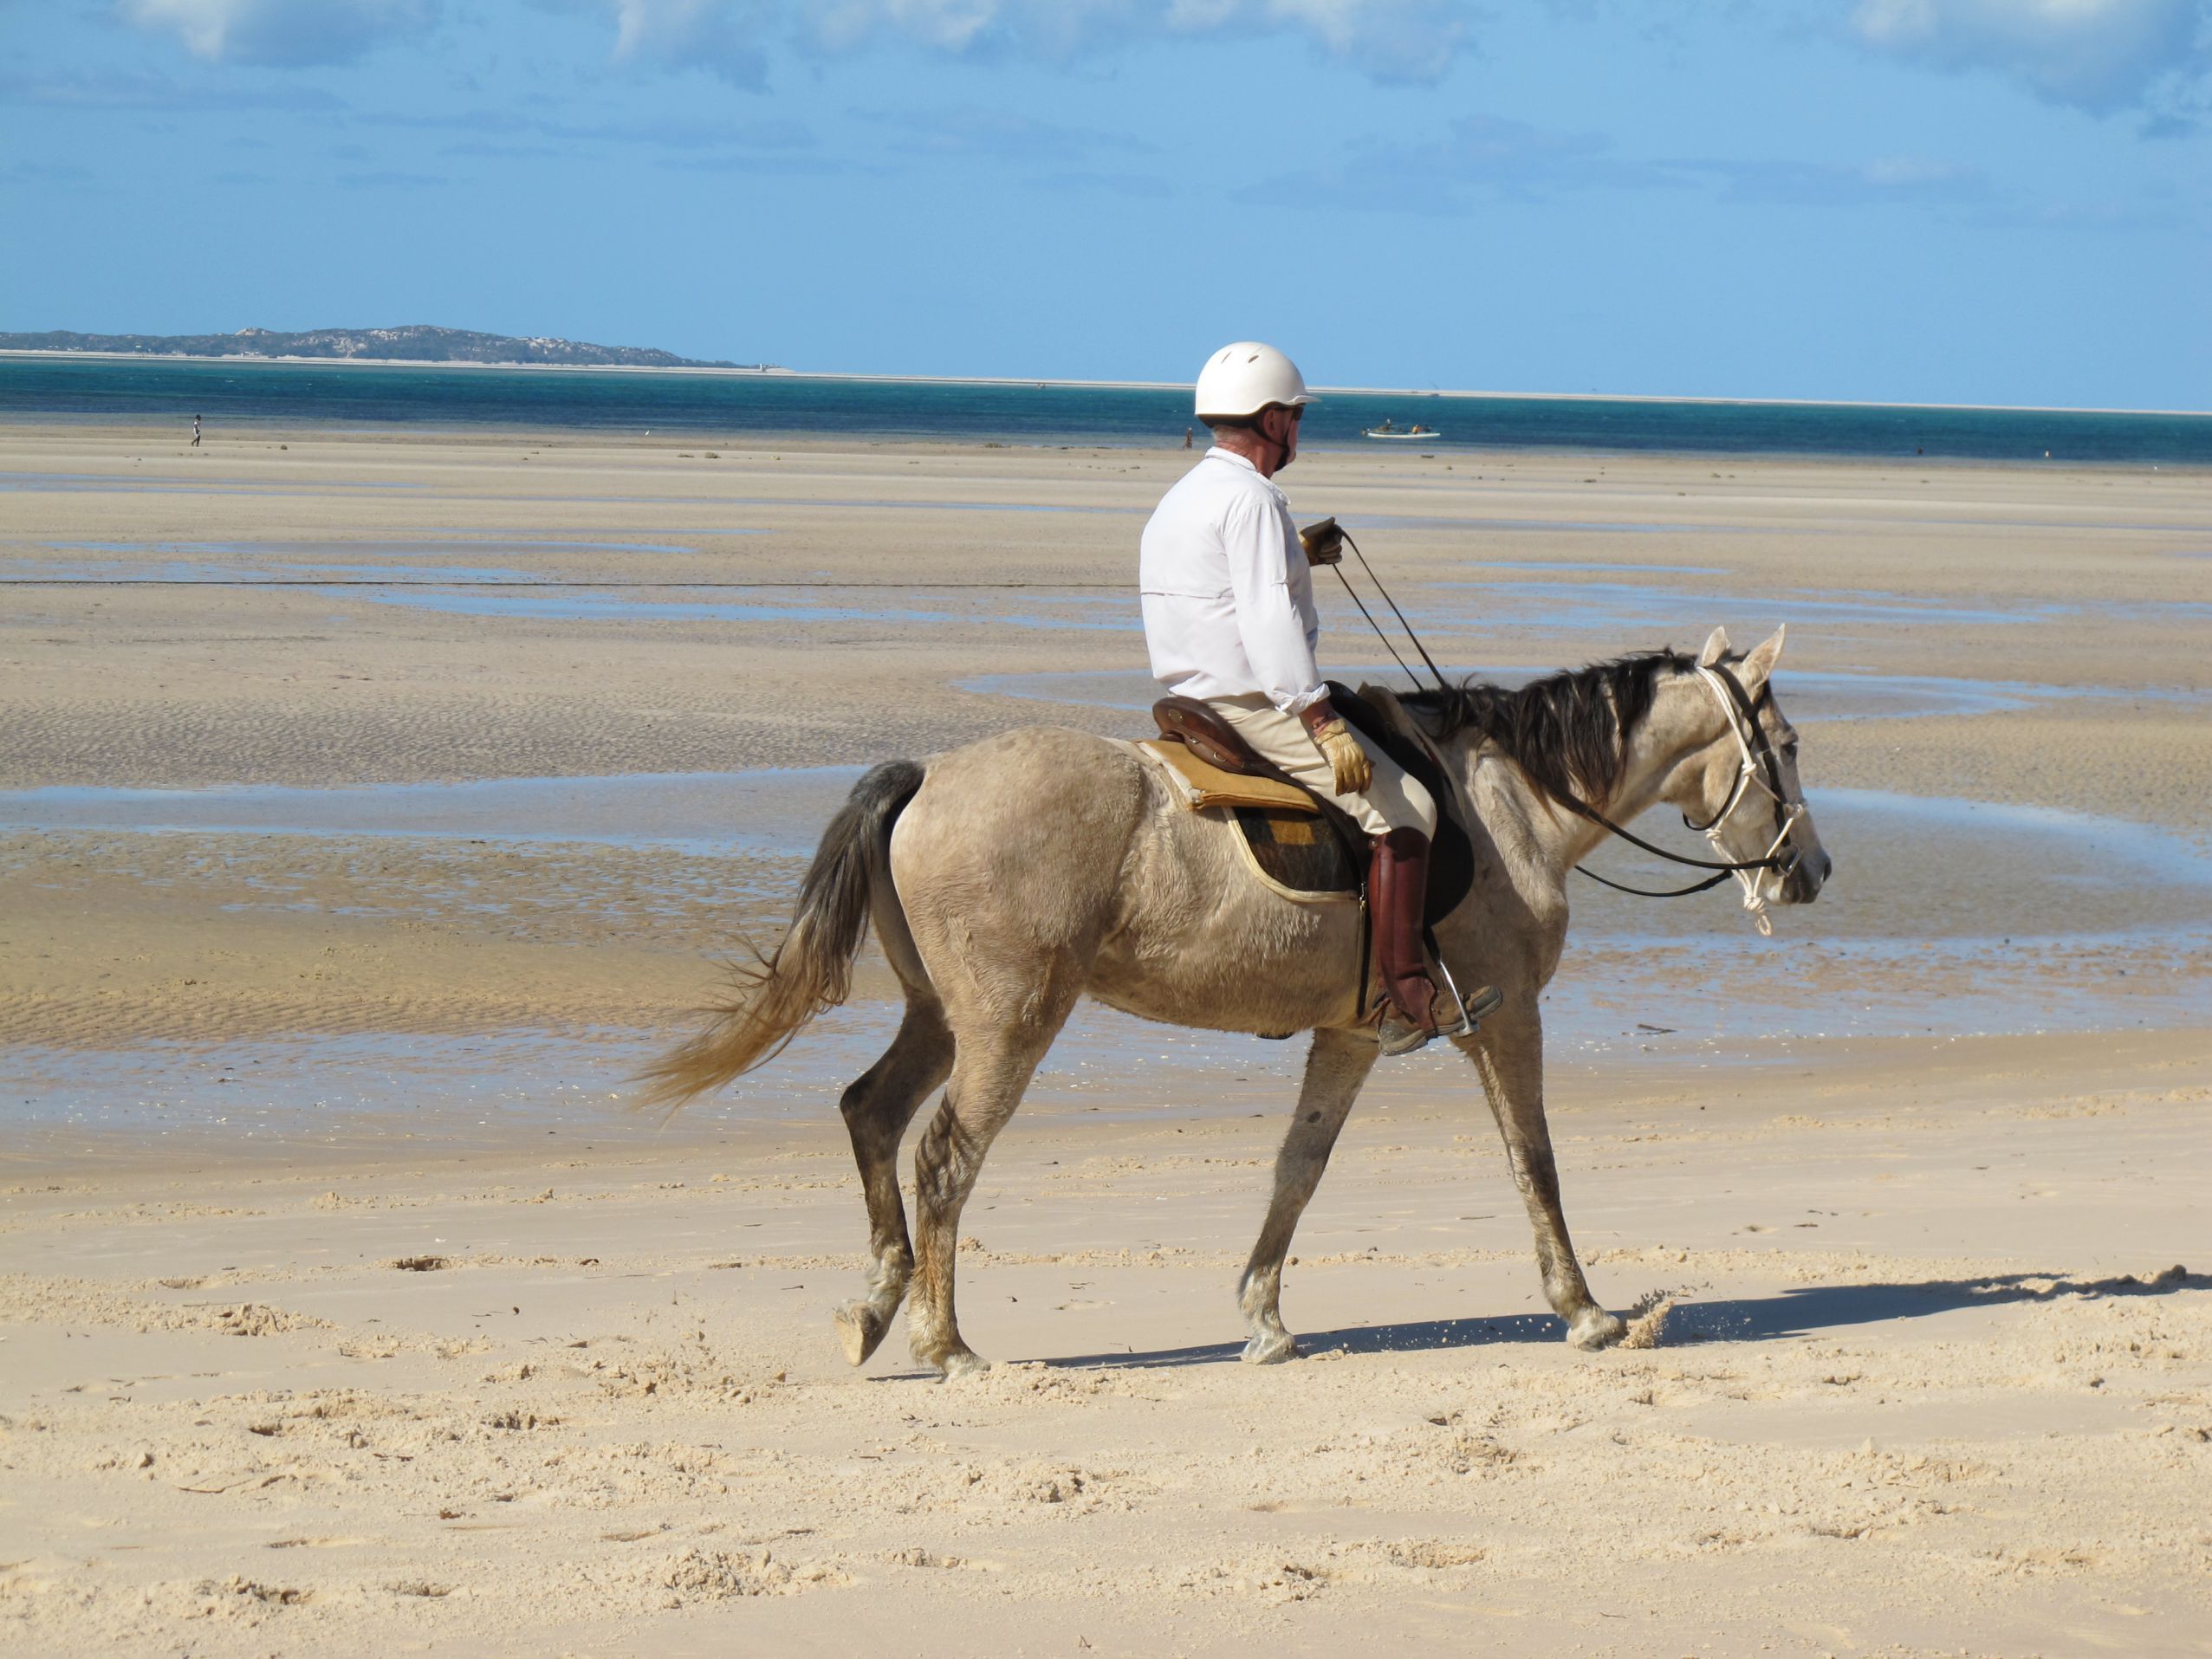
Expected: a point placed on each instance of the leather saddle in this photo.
(1212, 739)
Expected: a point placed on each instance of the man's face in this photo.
(1280, 424)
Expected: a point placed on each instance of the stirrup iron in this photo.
(1486, 1002)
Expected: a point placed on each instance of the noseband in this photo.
(1757, 764)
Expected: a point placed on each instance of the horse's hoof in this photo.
(1593, 1329)
(1270, 1348)
(962, 1363)
(860, 1329)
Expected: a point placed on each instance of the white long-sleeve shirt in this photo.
(1228, 598)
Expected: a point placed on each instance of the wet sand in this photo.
(372, 804)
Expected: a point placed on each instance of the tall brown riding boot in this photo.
(1397, 889)
(1398, 893)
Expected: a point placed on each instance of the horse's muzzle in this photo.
(1802, 881)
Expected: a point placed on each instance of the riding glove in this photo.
(1348, 763)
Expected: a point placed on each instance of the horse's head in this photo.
(1741, 786)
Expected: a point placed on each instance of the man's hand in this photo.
(1348, 763)
(1349, 766)
(1323, 543)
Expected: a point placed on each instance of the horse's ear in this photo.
(1761, 663)
(1716, 646)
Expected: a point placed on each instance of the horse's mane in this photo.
(1568, 731)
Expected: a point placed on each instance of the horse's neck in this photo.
(1539, 839)
(1669, 735)
(1557, 839)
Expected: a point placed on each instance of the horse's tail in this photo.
(811, 971)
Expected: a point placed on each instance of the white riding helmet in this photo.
(1240, 380)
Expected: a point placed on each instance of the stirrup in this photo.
(1473, 1010)
(1395, 1034)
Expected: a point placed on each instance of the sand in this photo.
(344, 1308)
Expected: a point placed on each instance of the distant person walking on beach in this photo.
(1189, 432)
(196, 431)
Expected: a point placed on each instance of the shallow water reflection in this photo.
(770, 810)
(1943, 915)
(1703, 1005)
(1629, 606)
(1810, 695)
(1909, 867)
(393, 1085)
(420, 544)
(666, 606)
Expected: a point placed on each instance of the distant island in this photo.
(415, 343)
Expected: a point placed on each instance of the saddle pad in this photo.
(1206, 784)
(1297, 854)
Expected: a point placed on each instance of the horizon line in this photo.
(779, 372)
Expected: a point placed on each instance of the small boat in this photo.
(1387, 430)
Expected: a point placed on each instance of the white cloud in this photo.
(723, 36)
(288, 32)
(950, 25)
(2100, 56)
(1387, 40)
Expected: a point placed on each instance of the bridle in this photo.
(1757, 765)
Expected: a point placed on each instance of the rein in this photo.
(1434, 672)
(1739, 709)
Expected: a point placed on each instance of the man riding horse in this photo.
(1009, 877)
(1228, 610)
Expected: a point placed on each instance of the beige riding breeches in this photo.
(1392, 801)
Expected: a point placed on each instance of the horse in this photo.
(1007, 878)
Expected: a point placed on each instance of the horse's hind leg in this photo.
(1509, 1054)
(1335, 1067)
(993, 1067)
(877, 1108)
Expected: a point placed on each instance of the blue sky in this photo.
(1951, 200)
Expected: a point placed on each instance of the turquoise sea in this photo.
(711, 405)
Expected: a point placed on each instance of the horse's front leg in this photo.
(1335, 1067)
(1508, 1052)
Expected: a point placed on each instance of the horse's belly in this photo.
(1254, 962)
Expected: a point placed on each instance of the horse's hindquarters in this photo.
(1006, 864)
